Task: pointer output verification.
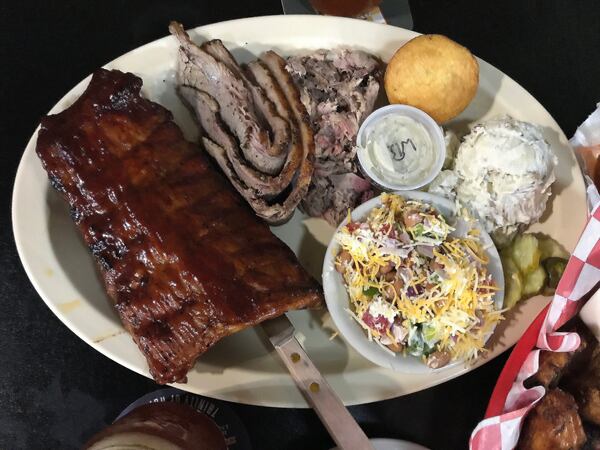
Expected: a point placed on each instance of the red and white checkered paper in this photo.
(581, 275)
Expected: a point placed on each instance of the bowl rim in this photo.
(351, 331)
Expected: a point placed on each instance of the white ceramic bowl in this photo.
(337, 299)
(434, 130)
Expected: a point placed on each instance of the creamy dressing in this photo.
(400, 150)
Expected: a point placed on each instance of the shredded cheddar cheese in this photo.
(415, 286)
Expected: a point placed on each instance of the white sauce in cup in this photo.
(400, 148)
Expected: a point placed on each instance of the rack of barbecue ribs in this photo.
(183, 259)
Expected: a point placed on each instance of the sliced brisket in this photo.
(265, 88)
(200, 70)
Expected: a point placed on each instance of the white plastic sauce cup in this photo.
(437, 139)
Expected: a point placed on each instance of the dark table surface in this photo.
(55, 391)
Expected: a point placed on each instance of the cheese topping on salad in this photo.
(413, 286)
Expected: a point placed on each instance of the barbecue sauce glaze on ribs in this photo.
(183, 258)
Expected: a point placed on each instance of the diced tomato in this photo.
(353, 226)
(388, 230)
(378, 323)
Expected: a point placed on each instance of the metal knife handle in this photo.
(339, 422)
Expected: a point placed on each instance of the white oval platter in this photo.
(242, 368)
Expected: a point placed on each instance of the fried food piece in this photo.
(593, 437)
(586, 388)
(554, 424)
(552, 366)
(555, 365)
(590, 406)
(433, 73)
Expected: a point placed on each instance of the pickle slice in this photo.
(554, 268)
(534, 282)
(549, 248)
(513, 289)
(525, 253)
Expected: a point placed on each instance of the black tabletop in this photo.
(55, 391)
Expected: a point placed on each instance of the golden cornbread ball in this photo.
(433, 73)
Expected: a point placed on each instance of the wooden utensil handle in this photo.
(339, 422)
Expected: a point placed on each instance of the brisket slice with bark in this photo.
(236, 105)
(183, 259)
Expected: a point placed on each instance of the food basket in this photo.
(511, 401)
